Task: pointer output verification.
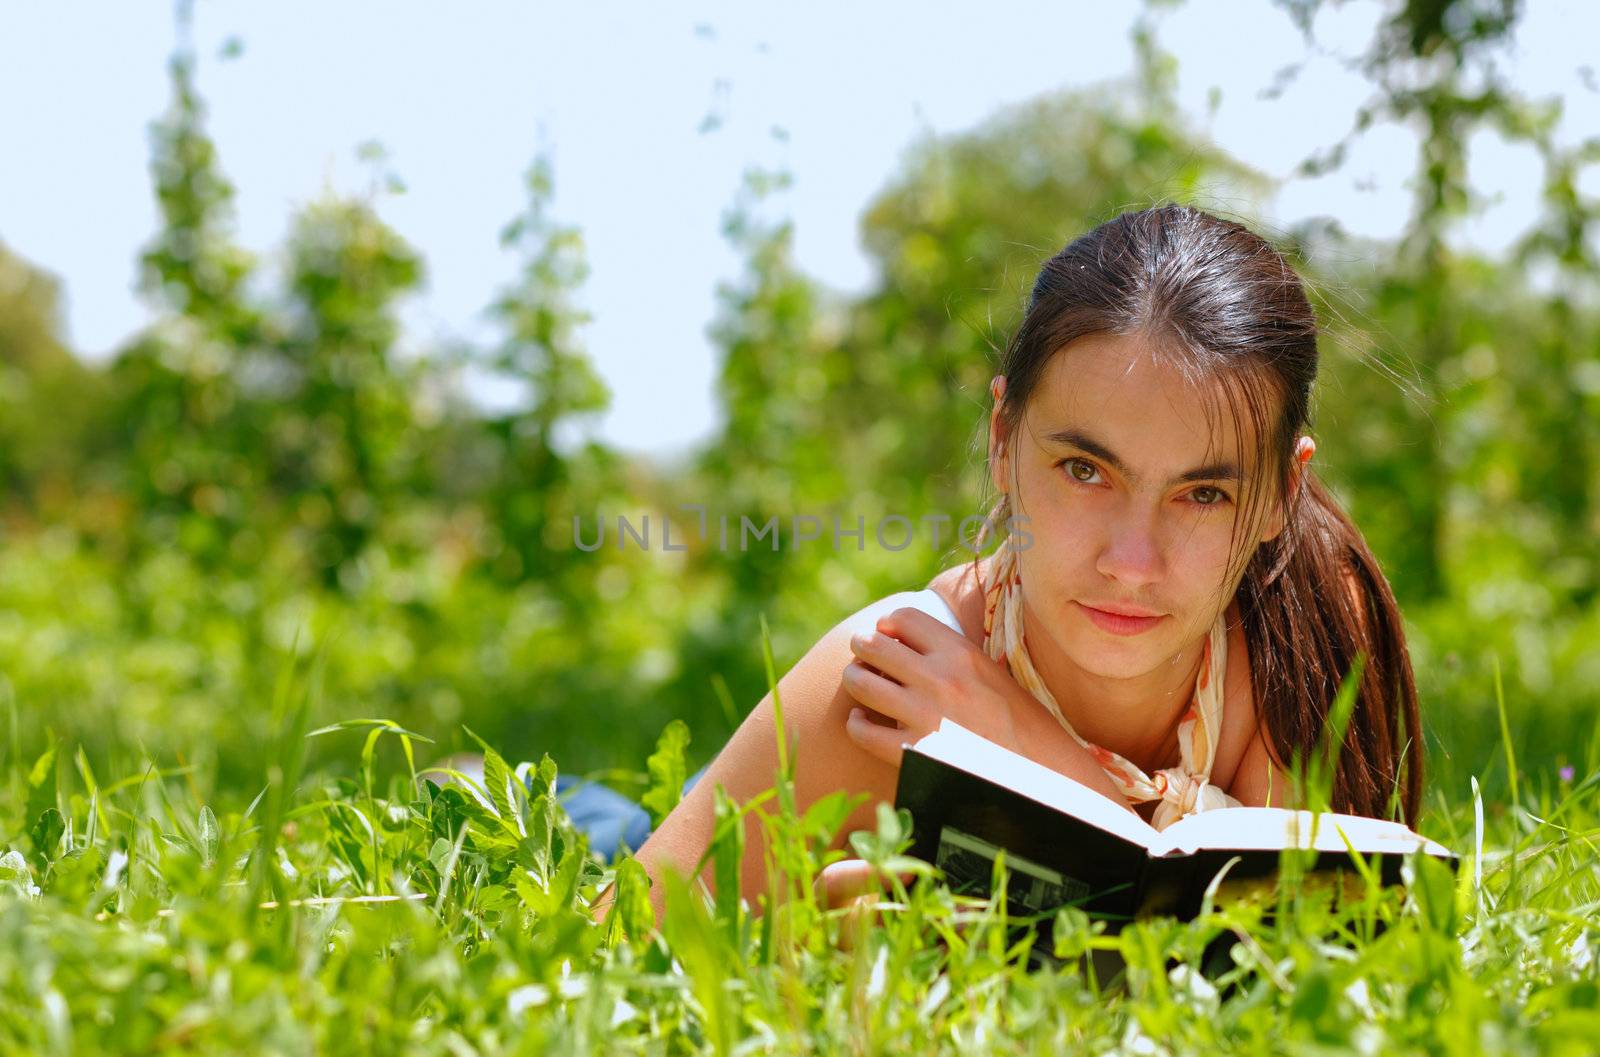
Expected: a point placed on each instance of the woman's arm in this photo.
(814, 708)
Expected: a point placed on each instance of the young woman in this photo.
(1176, 597)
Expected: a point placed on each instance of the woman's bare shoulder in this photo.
(814, 704)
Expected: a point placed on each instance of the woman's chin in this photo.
(1107, 664)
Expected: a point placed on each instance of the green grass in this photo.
(374, 912)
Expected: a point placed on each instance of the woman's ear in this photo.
(1304, 448)
(999, 457)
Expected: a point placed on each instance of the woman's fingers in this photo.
(849, 878)
(878, 740)
(878, 692)
(918, 631)
(855, 887)
(846, 879)
(888, 655)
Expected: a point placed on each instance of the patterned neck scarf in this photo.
(1182, 790)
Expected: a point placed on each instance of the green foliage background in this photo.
(263, 471)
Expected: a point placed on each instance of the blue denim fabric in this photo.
(609, 819)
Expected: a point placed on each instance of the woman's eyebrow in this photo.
(1217, 471)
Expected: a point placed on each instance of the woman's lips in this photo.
(1117, 624)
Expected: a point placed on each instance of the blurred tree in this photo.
(188, 463)
(538, 487)
(744, 498)
(48, 400)
(1435, 67)
(344, 441)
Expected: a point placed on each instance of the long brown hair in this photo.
(1221, 304)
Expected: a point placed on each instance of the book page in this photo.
(957, 746)
(1274, 828)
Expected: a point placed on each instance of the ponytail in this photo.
(1310, 599)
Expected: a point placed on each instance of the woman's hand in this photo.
(855, 886)
(915, 670)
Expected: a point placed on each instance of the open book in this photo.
(1067, 844)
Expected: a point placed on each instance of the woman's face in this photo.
(1125, 505)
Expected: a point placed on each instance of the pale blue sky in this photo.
(461, 96)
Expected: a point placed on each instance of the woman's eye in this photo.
(1216, 496)
(1081, 470)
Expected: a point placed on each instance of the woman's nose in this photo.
(1132, 554)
